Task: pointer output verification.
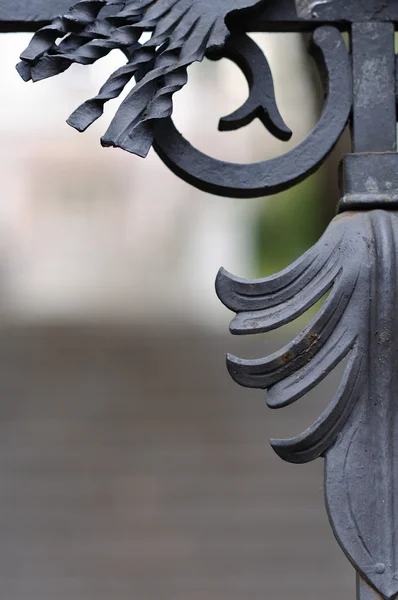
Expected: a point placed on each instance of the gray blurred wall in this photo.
(131, 467)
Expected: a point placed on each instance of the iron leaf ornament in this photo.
(182, 32)
(355, 262)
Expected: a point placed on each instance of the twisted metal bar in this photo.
(183, 32)
(89, 37)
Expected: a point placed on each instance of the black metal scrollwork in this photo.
(356, 261)
(277, 174)
(261, 103)
(185, 31)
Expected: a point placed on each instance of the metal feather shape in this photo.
(182, 32)
(356, 263)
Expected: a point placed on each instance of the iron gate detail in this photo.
(353, 266)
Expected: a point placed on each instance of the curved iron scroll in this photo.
(356, 262)
(182, 32)
(271, 176)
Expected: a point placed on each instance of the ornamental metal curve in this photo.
(282, 172)
(354, 264)
(183, 32)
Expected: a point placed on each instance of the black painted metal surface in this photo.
(356, 262)
(280, 15)
(353, 266)
(26, 15)
(373, 61)
(370, 181)
(277, 174)
(184, 31)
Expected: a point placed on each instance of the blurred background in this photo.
(131, 466)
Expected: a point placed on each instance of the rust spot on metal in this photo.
(287, 357)
(312, 338)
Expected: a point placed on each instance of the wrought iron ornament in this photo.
(182, 32)
(354, 263)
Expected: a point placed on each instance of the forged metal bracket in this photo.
(185, 31)
(354, 264)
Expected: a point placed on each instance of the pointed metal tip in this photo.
(246, 323)
(222, 275)
(275, 401)
(285, 451)
(243, 372)
(224, 288)
(236, 369)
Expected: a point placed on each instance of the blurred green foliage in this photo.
(287, 225)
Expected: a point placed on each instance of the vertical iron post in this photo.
(374, 106)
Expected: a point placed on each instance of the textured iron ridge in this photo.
(355, 264)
